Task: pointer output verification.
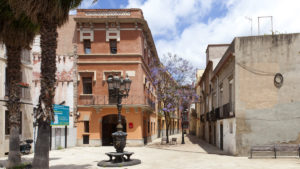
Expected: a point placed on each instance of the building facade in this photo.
(114, 42)
(255, 91)
(199, 74)
(26, 131)
(65, 74)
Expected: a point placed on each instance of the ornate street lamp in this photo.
(119, 88)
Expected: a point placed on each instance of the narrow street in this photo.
(195, 154)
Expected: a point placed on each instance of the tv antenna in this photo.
(250, 19)
(260, 17)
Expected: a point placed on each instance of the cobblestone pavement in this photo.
(195, 154)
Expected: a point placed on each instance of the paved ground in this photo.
(195, 154)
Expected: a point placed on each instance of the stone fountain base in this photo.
(119, 160)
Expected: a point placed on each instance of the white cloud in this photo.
(164, 16)
(85, 4)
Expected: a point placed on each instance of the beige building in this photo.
(253, 96)
(26, 108)
(197, 122)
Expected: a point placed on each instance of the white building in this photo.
(26, 99)
(64, 93)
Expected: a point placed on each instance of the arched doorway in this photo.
(109, 126)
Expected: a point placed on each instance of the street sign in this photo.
(61, 115)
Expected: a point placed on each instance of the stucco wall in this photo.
(266, 114)
(26, 109)
(229, 142)
(215, 52)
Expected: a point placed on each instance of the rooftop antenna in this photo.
(271, 17)
(250, 19)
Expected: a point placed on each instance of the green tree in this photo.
(49, 14)
(16, 33)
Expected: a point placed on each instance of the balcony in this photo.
(225, 111)
(202, 118)
(212, 115)
(90, 99)
(24, 93)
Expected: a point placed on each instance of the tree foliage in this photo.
(16, 33)
(169, 76)
(49, 14)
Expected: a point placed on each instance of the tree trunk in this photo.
(13, 104)
(41, 155)
(167, 125)
(48, 80)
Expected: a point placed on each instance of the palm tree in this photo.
(16, 34)
(49, 14)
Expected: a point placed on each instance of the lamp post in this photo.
(119, 88)
(183, 124)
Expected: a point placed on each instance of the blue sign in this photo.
(61, 115)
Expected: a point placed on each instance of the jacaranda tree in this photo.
(169, 76)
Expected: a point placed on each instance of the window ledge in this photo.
(86, 94)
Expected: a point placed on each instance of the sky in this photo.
(186, 27)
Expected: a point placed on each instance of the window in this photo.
(148, 127)
(6, 82)
(7, 125)
(113, 46)
(87, 85)
(230, 127)
(221, 95)
(86, 126)
(87, 46)
(231, 95)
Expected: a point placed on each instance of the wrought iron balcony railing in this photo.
(90, 99)
(225, 111)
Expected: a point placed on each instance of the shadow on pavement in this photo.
(210, 149)
(70, 166)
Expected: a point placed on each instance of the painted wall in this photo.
(133, 58)
(266, 114)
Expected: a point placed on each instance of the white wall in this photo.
(229, 142)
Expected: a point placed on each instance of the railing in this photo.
(24, 93)
(151, 103)
(86, 99)
(217, 112)
(202, 118)
(225, 111)
(207, 116)
(212, 115)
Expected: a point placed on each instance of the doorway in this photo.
(109, 126)
(221, 136)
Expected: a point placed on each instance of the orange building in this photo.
(109, 42)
